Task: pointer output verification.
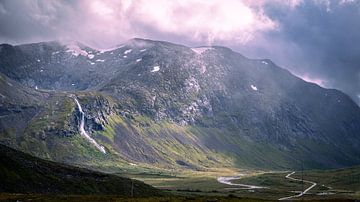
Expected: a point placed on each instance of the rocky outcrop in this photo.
(172, 88)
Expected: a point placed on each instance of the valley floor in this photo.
(331, 185)
(110, 198)
(342, 184)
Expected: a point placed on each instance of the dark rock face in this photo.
(97, 110)
(207, 87)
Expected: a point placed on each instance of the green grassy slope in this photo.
(45, 124)
(22, 173)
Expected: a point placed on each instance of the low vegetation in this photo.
(22, 173)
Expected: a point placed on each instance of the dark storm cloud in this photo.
(23, 21)
(317, 39)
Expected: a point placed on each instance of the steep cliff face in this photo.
(168, 105)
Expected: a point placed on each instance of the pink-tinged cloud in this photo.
(316, 37)
(109, 22)
(201, 20)
(318, 81)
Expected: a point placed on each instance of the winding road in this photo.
(227, 181)
(288, 176)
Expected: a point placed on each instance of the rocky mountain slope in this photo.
(159, 104)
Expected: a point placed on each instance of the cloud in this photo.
(311, 79)
(203, 20)
(105, 22)
(316, 39)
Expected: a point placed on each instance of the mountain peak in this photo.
(206, 98)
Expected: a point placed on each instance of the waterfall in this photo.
(84, 133)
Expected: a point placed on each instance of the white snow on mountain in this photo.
(110, 49)
(75, 50)
(201, 50)
(155, 69)
(91, 56)
(127, 51)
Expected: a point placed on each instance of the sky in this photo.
(317, 40)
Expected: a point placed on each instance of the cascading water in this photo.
(84, 133)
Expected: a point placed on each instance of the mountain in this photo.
(154, 103)
(22, 173)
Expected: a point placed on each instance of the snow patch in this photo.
(253, 87)
(203, 69)
(3, 96)
(124, 56)
(75, 50)
(36, 87)
(91, 56)
(38, 60)
(127, 51)
(155, 69)
(138, 60)
(201, 50)
(54, 53)
(265, 63)
(92, 63)
(41, 70)
(142, 50)
(110, 49)
(100, 60)
(192, 84)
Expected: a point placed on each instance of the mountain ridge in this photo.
(64, 43)
(150, 102)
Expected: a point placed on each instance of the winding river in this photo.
(227, 181)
